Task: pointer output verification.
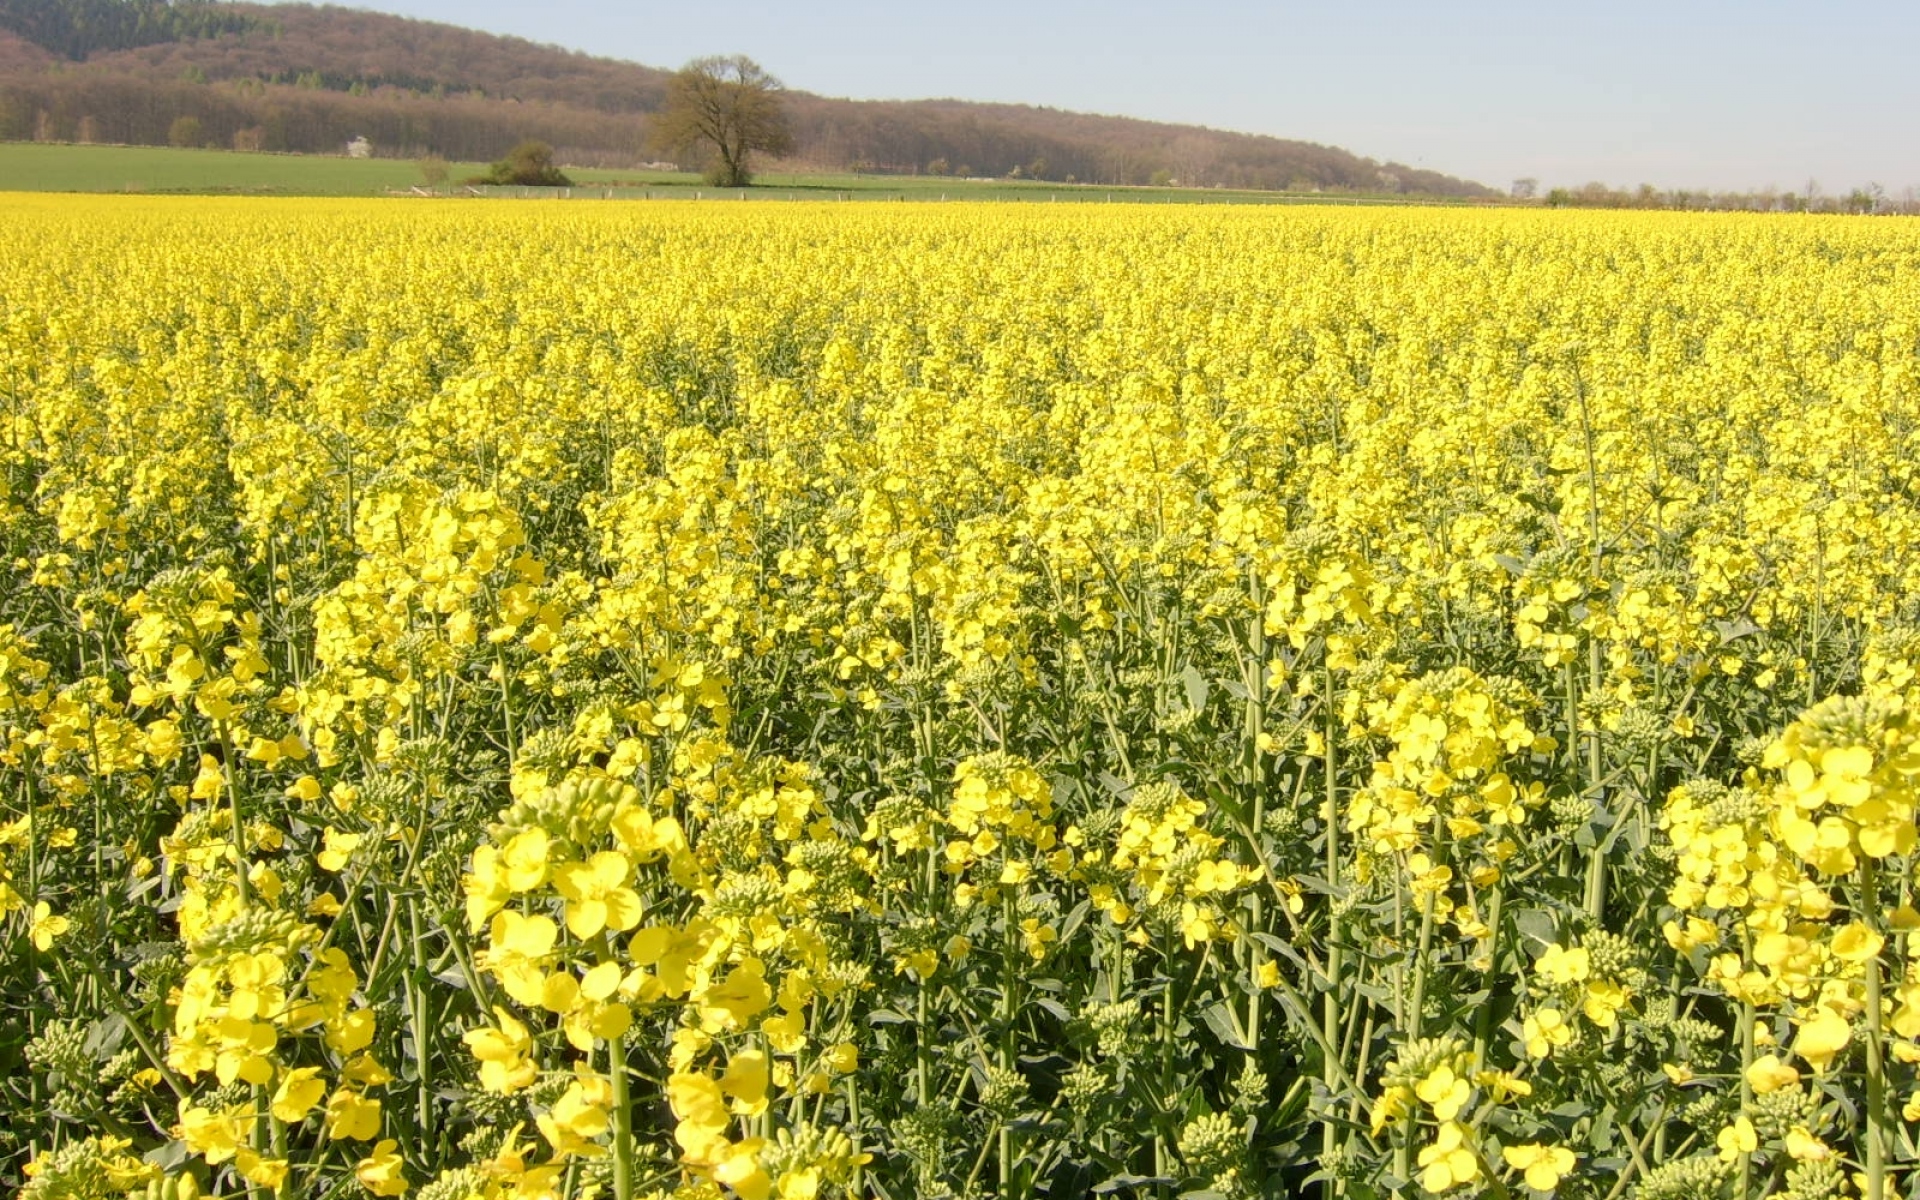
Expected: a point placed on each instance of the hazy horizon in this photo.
(1710, 94)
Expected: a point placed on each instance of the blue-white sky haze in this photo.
(1720, 94)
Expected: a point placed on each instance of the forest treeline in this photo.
(75, 29)
(1861, 200)
(308, 79)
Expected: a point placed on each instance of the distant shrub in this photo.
(530, 164)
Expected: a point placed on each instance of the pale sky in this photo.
(1721, 94)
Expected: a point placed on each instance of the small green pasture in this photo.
(48, 167)
(59, 167)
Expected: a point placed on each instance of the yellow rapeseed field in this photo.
(561, 700)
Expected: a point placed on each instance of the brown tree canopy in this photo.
(726, 106)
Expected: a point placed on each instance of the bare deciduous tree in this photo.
(728, 106)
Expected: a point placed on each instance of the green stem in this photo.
(1483, 1020)
(622, 1119)
(239, 831)
(923, 1057)
(1256, 718)
(1744, 1187)
(1336, 956)
(1423, 956)
(417, 1018)
(1004, 1142)
(1597, 865)
(1877, 1124)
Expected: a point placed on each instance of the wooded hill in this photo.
(311, 78)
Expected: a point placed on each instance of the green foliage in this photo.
(78, 28)
(529, 164)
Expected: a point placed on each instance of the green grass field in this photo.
(39, 167)
(44, 167)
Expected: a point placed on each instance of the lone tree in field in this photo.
(729, 107)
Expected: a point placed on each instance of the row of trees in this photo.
(954, 137)
(88, 106)
(1871, 198)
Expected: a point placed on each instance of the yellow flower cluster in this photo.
(799, 701)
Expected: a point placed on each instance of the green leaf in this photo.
(1226, 1027)
(1075, 919)
(1197, 689)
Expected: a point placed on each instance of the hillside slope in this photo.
(309, 78)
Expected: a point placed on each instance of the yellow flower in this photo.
(1696, 932)
(351, 1031)
(339, 847)
(1393, 1105)
(786, 1033)
(46, 926)
(737, 999)
(350, 1117)
(1448, 1162)
(381, 1172)
(1769, 1074)
(1562, 966)
(578, 1117)
(365, 1070)
(1805, 1147)
(1822, 1038)
(1856, 943)
(1544, 1031)
(596, 894)
(1603, 1000)
(263, 1172)
(738, 1167)
(300, 1089)
(214, 1136)
(1444, 1092)
(1038, 936)
(1502, 1085)
(700, 1109)
(1737, 1139)
(524, 860)
(802, 1184)
(923, 963)
(843, 1057)
(486, 887)
(1543, 1165)
(746, 1081)
(503, 1053)
(517, 947)
(1196, 924)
